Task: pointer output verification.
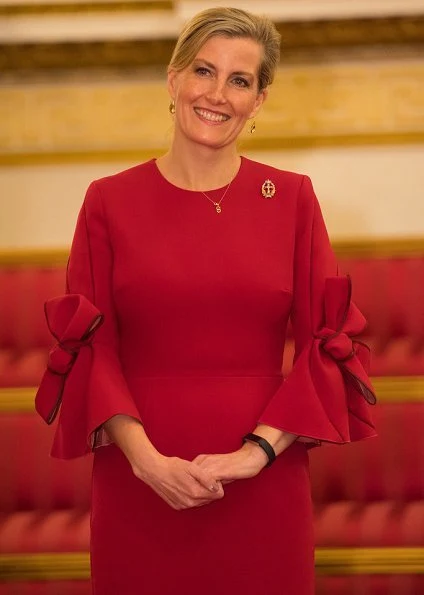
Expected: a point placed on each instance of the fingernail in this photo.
(214, 487)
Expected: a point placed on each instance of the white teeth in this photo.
(211, 116)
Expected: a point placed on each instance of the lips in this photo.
(211, 116)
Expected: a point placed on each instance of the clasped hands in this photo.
(190, 484)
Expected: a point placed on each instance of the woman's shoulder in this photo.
(292, 185)
(256, 171)
(259, 168)
(127, 178)
(110, 193)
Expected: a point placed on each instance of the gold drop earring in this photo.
(172, 107)
(252, 127)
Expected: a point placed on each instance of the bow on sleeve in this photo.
(343, 321)
(326, 395)
(72, 320)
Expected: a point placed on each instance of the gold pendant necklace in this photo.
(217, 205)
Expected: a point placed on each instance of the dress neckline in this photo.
(193, 192)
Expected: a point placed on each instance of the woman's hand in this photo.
(180, 483)
(246, 462)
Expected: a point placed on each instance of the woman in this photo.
(183, 274)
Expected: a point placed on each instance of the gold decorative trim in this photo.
(379, 248)
(258, 144)
(307, 35)
(328, 561)
(310, 141)
(384, 560)
(350, 248)
(399, 389)
(42, 567)
(352, 32)
(87, 55)
(17, 400)
(34, 257)
(389, 389)
(95, 156)
(46, 8)
(315, 105)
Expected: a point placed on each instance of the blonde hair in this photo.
(232, 23)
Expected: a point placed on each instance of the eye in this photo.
(202, 71)
(241, 82)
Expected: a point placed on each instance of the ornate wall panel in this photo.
(119, 117)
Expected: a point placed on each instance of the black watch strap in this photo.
(264, 444)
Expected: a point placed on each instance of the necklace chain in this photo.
(216, 204)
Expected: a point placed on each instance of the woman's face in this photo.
(218, 92)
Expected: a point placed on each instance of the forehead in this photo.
(236, 53)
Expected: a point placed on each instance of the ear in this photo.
(260, 98)
(172, 82)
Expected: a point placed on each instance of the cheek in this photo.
(191, 89)
(243, 102)
(246, 107)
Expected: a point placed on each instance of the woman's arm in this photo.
(249, 460)
(182, 484)
(97, 405)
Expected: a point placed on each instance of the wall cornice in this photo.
(83, 7)
(33, 54)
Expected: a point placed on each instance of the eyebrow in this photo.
(237, 72)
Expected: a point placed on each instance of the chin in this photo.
(214, 142)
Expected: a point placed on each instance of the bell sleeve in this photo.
(84, 378)
(327, 394)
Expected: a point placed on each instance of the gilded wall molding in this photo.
(28, 58)
(296, 35)
(353, 248)
(308, 105)
(328, 561)
(256, 144)
(84, 7)
(352, 31)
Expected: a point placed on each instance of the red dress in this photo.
(177, 316)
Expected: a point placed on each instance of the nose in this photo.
(216, 92)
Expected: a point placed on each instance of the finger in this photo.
(205, 479)
(199, 459)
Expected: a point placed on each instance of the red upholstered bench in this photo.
(368, 496)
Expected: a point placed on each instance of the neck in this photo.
(199, 168)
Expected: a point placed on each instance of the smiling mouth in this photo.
(211, 116)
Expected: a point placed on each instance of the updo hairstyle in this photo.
(230, 23)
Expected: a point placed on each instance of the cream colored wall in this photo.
(363, 104)
(364, 191)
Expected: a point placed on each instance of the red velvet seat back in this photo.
(390, 293)
(388, 467)
(29, 478)
(24, 336)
